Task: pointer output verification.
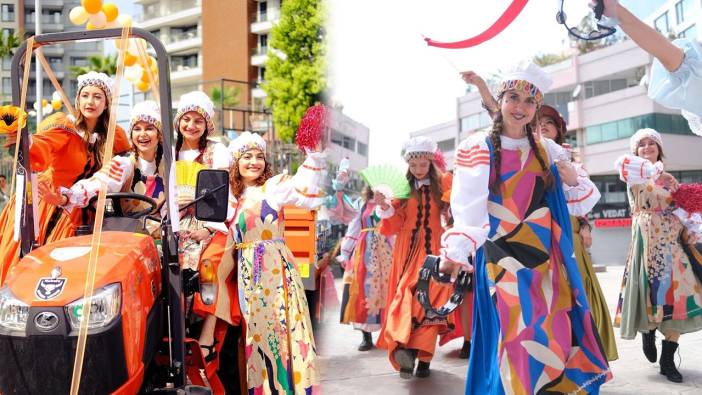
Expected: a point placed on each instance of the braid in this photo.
(548, 176)
(495, 134)
(418, 223)
(427, 212)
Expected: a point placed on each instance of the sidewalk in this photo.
(344, 370)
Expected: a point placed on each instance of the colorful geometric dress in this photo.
(280, 350)
(368, 258)
(532, 329)
(659, 288)
(417, 223)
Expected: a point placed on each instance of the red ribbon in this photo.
(505, 20)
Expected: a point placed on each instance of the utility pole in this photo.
(37, 65)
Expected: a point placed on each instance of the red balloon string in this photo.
(505, 20)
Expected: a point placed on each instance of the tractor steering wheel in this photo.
(117, 197)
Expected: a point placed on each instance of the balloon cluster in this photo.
(136, 68)
(47, 107)
(98, 15)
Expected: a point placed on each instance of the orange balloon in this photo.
(91, 6)
(144, 76)
(129, 59)
(143, 86)
(111, 11)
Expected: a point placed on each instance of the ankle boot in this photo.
(406, 357)
(367, 342)
(422, 369)
(667, 362)
(465, 350)
(649, 345)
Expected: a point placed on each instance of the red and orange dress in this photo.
(59, 153)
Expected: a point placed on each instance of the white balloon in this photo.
(98, 19)
(48, 109)
(55, 96)
(124, 20)
(78, 15)
(133, 73)
(112, 24)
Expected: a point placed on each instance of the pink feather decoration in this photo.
(313, 127)
(689, 197)
(440, 160)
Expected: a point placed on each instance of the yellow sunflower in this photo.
(12, 119)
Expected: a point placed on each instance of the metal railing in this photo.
(152, 12)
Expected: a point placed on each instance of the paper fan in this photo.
(186, 179)
(388, 180)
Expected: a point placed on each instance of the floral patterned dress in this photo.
(368, 259)
(659, 288)
(280, 350)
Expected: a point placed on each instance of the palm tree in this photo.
(8, 44)
(231, 96)
(101, 64)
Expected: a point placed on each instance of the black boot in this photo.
(465, 350)
(422, 369)
(667, 362)
(367, 342)
(649, 345)
(405, 358)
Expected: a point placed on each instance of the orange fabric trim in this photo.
(312, 168)
(583, 198)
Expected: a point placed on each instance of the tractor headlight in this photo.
(104, 308)
(13, 312)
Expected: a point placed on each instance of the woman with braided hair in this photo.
(407, 333)
(532, 328)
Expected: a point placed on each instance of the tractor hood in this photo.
(55, 274)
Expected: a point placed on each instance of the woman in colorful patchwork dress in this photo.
(64, 150)
(367, 258)
(660, 290)
(140, 172)
(203, 243)
(533, 331)
(676, 74)
(552, 126)
(407, 333)
(280, 348)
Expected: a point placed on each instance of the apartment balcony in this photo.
(46, 4)
(49, 24)
(185, 12)
(183, 41)
(259, 56)
(263, 22)
(182, 73)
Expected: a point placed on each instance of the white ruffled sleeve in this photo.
(635, 170)
(469, 201)
(222, 158)
(304, 189)
(583, 197)
(681, 88)
(114, 174)
(348, 243)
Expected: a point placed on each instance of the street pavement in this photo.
(344, 370)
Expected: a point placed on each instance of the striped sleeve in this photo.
(635, 170)
(114, 174)
(469, 201)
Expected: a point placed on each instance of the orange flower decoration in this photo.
(12, 119)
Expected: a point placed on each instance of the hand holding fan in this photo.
(388, 180)
(186, 180)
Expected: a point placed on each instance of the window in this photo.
(7, 32)
(263, 41)
(79, 61)
(690, 32)
(624, 128)
(683, 10)
(183, 62)
(602, 87)
(349, 143)
(262, 11)
(8, 12)
(337, 138)
(447, 145)
(661, 23)
(6, 86)
(362, 149)
(7, 63)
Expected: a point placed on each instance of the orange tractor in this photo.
(139, 337)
